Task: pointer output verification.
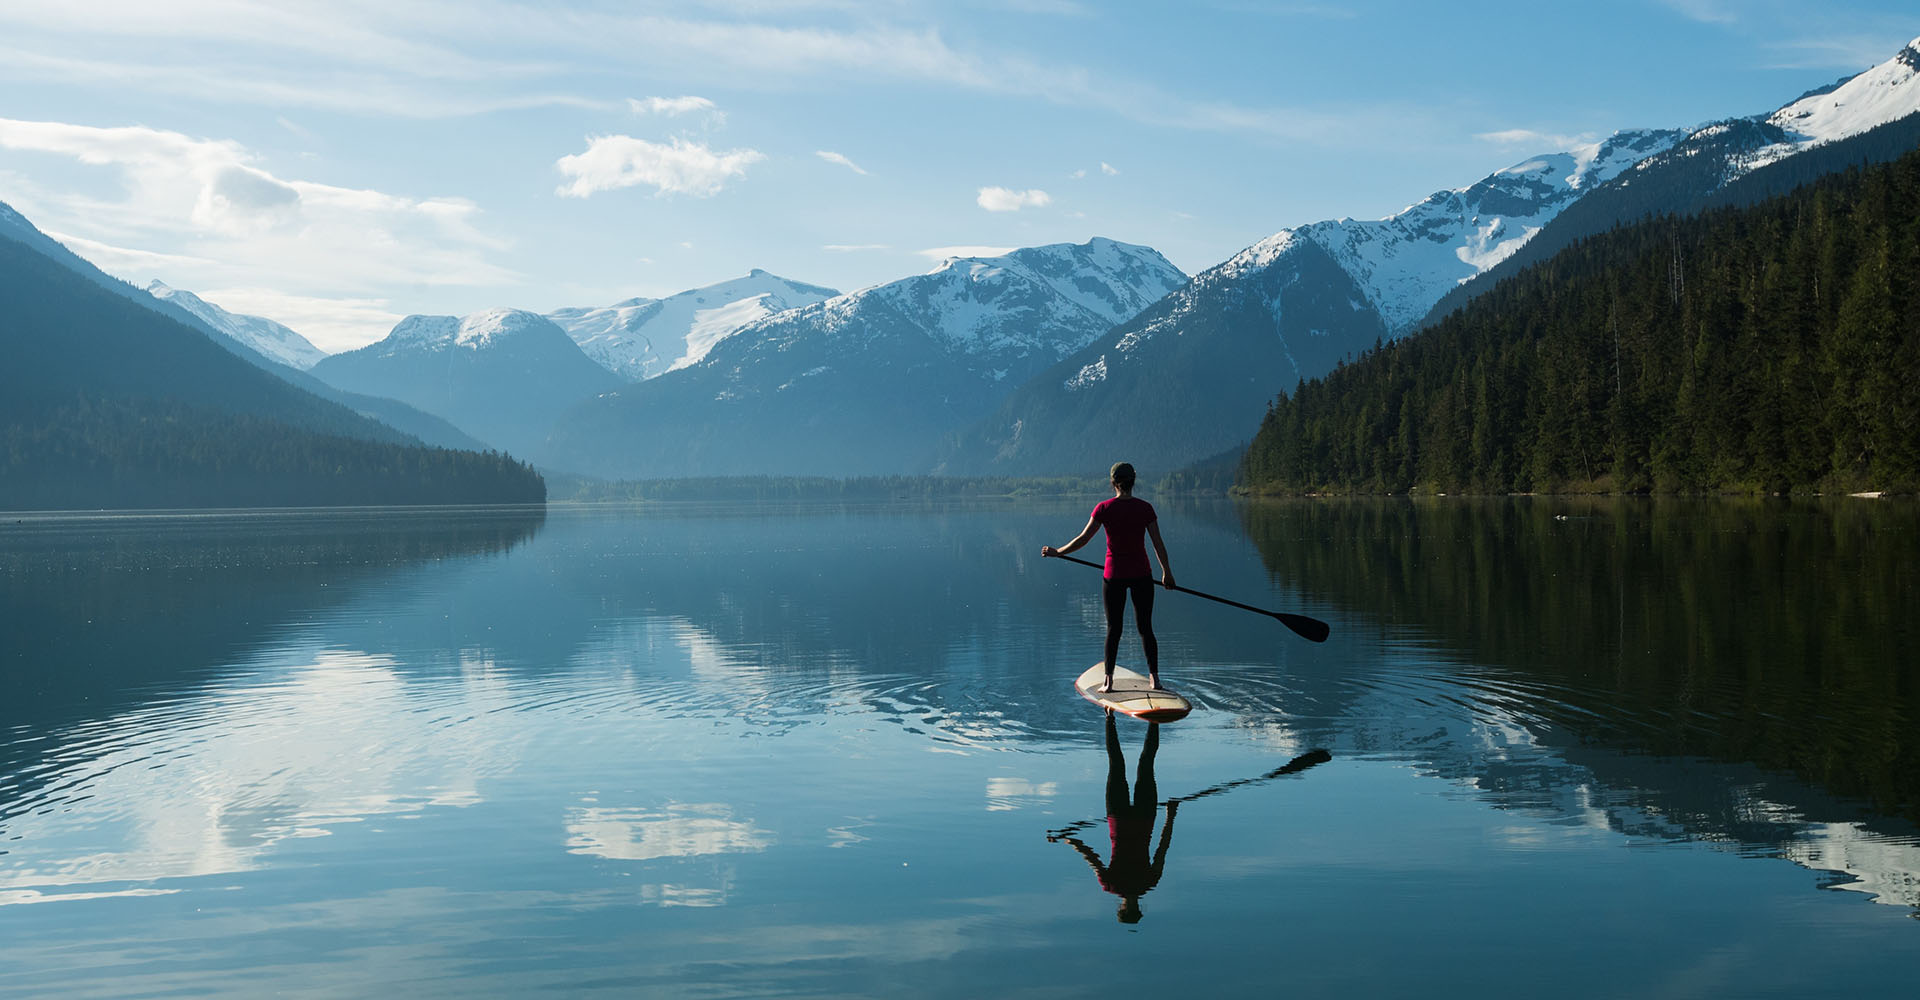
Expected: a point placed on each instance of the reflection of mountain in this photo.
(1699, 670)
(101, 610)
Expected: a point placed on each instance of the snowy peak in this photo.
(1051, 299)
(1405, 262)
(263, 335)
(488, 328)
(640, 338)
(1882, 94)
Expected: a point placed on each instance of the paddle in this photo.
(1310, 629)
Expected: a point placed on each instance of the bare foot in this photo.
(1155, 681)
(1106, 686)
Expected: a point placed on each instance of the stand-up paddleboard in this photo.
(1132, 694)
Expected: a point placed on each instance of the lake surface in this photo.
(1607, 748)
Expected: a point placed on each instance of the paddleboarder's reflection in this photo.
(1130, 874)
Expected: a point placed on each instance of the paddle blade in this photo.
(1310, 629)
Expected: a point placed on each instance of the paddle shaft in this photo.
(1310, 629)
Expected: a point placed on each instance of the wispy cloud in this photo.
(832, 157)
(681, 167)
(127, 260)
(1109, 169)
(226, 220)
(1535, 141)
(1836, 53)
(942, 253)
(1705, 11)
(441, 58)
(999, 199)
(331, 324)
(669, 106)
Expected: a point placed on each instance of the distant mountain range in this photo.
(503, 375)
(867, 382)
(1048, 360)
(1192, 376)
(640, 338)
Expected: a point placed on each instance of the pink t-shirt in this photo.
(1126, 520)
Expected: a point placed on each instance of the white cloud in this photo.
(999, 199)
(1108, 168)
(331, 324)
(620, 161)
(1533, 140)
(204, 213)
(1078, 174)
(669, 106)
(832, 157)
(126, 260)
(942, 253)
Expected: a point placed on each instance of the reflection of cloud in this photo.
(16, 897)
(1004, 794)
(674, 894)
(846, 835)
(680, 830)
(212, 785)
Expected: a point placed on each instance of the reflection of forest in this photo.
(99, 610)
(1732, 641)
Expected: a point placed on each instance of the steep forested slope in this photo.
(1768, 348)
(107, 403)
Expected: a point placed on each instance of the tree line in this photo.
(1769, 348)
(125, 453)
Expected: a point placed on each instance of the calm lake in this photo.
(1572, 748)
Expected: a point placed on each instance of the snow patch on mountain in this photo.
(263, 335)
(641, 338)
(1885, 93)
(1405, 262)
(1050, 299)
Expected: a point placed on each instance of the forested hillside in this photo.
(1768, 348)
(106, 403)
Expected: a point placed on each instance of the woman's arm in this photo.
(1086, 535)
(1160, 550)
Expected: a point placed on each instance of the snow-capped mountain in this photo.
(1405, 262)
(262, 334)
(640, 338)
(1190, 377)
(1870, 117)
(502, 375)
(1882, 94)
(867, 382)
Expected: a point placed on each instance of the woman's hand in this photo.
(1166, 578)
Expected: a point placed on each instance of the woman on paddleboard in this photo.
(1129, 522)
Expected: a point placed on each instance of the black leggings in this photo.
(1113, 593)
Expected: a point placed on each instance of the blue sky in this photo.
(338, 165)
